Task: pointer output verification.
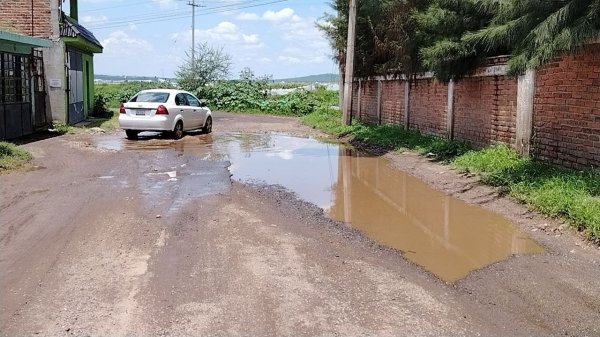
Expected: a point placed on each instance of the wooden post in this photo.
(525, 96)
(349, 63)
(341, 85)
(379, 102)
(406, 103)
(450, 111)
(359, 99)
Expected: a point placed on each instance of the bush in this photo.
(12, 156)
(251, 96)
(99, 109)
(116, 93)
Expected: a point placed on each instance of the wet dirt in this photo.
(110, 240)
(443, 234)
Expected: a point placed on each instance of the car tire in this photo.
(207, 125)
(178, 131)
(132, 134)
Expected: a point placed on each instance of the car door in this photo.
(184, 109)
(198, 112)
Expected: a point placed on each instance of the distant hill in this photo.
(113, 78)
(322, 78)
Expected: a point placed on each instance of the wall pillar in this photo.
(358, 115)
(406, 103)
(524, 127)
(450, 111)
(379, 102)
(54, 70)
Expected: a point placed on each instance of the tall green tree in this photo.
(438, 33)
(210, 64)
(535, 31)
(453, 37)
(382, 39)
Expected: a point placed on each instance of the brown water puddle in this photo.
(444, 235)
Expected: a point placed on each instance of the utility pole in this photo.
(346, 113)
(193, 4)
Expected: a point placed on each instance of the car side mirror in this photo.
(203, 103)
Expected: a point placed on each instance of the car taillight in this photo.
(161, 110)
(122, 109)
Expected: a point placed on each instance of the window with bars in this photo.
(14, 78)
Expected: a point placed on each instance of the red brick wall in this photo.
(17, 14)
(566, 118)
(392, 98)
(427, 106)
(368, 103)
(354, 103)
(485, 110)
(566, 115)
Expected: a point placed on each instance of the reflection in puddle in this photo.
(442, 234)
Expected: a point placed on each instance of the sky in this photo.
(151, 37)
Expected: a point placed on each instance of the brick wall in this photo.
(354, 104)
(368, 103)
(566, 115)
(392, 106)
(485, 110)
(427, 106)
(17, 16)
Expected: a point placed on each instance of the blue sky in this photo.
(151, 37)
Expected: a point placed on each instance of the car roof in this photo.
(170, 91)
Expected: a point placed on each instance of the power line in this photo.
(179, 14)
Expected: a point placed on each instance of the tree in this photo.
(535, 31)
(383, 44)
(438, 33)
(209, 65)
(453, 37)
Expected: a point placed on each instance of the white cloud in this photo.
(252, 39)
(286, 14)
(132, 26)
(248, 17)
(166, 3)
(120, 42)
(224, 33)
(289, 59)
(93, 20)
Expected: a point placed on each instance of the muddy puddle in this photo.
(443, 234)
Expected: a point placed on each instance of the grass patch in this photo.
(568, 194)
(107, 124)
(13, 157)
(328, 119)
(391, 137)
(110, 122)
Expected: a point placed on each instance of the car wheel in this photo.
(178, 131)
(208, 125)
(132, 134)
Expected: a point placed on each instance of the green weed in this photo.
(12, 157)
(569, 194)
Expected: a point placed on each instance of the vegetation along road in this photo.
(234, 233)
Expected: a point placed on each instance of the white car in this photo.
(167, 110)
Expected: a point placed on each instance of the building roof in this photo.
(70, 28)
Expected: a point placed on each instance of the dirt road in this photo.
(135, 241)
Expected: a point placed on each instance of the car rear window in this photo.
(151, 97)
